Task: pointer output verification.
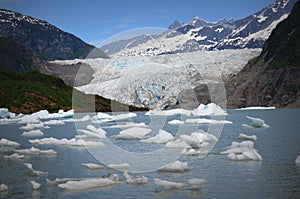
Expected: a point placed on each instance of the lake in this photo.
(276, 176)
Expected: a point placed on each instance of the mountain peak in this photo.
(175, 25)
(196, 21)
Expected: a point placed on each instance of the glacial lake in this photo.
(276, 176)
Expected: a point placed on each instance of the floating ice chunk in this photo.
(60, 114)
(14, 156)
(297, 161)
(243, 151)
(199, 139)
(127, 125)
(112, 176)
(35, 151)
(103, 117)
(135, 179)
(3, 187)
(39, 173)
(33, 133)
(62, 180)
(209, 110)
(5, 114)
(34, 117)
(161, 138)
(257, 108)
(168, 184)
(54, 122)
(256, 123)
(195, 182)
(9, 121)
(176, 122)
(86, 184)
(122, 167)
(31, 126)
(177, 144)
(64, 141)
(176, 166)
(35, 185)
(133, 133)
(8, 143)
(243, 136)
(83, 119)
(191, 152)
(98, 133)
(93, 166)
(207, 121)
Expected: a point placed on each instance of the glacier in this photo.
(157, 81)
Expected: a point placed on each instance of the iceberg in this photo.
(33, 133)
(14, 156)
(135, 179)
(93, 132)
(7, 117)
(133, 133)
(195, 182)
(93, 166)
(8, 143)
(168, 184)
(64, 141)
(177, 166)
(297, 161)
(243, 136)
(59, 114)
(31, 126)
(202, 110)
(86, 184)
(3, 187)
(177, 144)
(199, 139)
(191, 152)
(256, 123)
(54, 122)
(161, 138)
(39, 173)
(243, 151)
(127, 125)
(123, 167)
(35, 185)
(35, 151)
(103, 117)
(176, 122)
(34, 117)
(257, 108)
(207, 121)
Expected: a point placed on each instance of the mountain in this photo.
(272, 79)
(250, 32)
(42, 38)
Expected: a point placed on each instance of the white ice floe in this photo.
(39, 173)
(3, 187)
(243, 151)
(122, 167)
(161, 138)
(35, 185)
(176, 122)
(33, 133)
(61, 180)
(35, 151)
(103, 117)
(177, 166)
(54, 122)
(93, 166)
(207, 121)
(191, 152)
(86, 184)
(243, 136)
(168, 184)
(7, 117)
(31, 126)
(127, 125)
(177, 144)
(140, 179)
(297, 161)
(59, 114)
(133, 133)
(64, 141)
(85, 118)
(94, 132)
(8, 143)
(199, 139)
(195, 182)
(256, 123)
(14, 156)
(257, 108)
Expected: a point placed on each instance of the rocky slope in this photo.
(272, 79)
(42, 38)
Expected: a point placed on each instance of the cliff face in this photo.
(273, 78)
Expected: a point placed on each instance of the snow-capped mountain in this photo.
(250, 32)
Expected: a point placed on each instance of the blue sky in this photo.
(93, 20)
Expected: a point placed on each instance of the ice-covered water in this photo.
(276, 176)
